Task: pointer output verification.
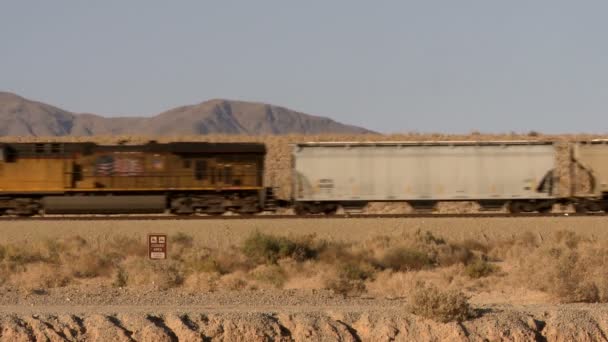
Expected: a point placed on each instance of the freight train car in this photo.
(591, 157)
(518, 174)
(183, 178)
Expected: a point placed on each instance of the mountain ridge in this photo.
(23, 117)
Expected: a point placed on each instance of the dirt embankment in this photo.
(570, 323)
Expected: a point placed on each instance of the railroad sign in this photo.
(157, 246)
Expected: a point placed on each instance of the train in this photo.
(181, 178)
(186, 178)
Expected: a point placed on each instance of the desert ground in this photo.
(355, 279)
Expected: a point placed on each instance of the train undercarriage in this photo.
(542, 206)
(248, 203)
(178, 203)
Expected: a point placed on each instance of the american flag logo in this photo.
(104, 166)
(127, 167)
(123, 166)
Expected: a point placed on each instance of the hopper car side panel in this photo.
(590, 176)
(593, 157)
(410, 172)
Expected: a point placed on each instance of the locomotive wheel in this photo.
(182, 206)
(300, 209)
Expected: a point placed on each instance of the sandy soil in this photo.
(222, 233)
(84, 312)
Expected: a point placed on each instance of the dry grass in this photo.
(565, 266)
(443, 306)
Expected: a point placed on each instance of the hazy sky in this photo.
(391, 66)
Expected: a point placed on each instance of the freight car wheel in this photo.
(589, 207)
(517, 207)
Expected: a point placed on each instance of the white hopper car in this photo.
(515, 174)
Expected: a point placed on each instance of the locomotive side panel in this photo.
(88, 178)
(429, 171)
(132, 170)
(35, 170)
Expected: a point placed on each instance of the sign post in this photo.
(157, 246)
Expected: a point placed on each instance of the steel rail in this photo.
(132, 217)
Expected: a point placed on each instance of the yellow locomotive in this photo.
(182, 178)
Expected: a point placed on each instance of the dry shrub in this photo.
(202, 282)
(162, 275)
(38, 277)
(120, 278)
(265, 248)
(443, 306)
(568, 267)
(182, 239)
(350, 277)
(272, 275)
(480, 268)
(90, 265)
(405, 259)
(235, 281)
(517, 247)
(421, 250)
(388, 283)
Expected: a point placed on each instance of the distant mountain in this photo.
(20, 116)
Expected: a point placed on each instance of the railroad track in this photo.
(289, 217)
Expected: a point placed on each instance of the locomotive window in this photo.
(55, 148)
(200, 166)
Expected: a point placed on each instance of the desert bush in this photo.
(405, 259)
(448, 254)
(182, 239)
(120, 278)
(480, 268)
(89, 265)
(350, 277)
(474, 245)
(265, 248)
(567, 279)
(269, 274)
(162, 275)
(206, 264)
(233, 282)
(568, 238)
(38, 277)
(443, 306)
(19, 256)
(568, 267)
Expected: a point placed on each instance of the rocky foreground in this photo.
(121, 315)
(325, 324)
